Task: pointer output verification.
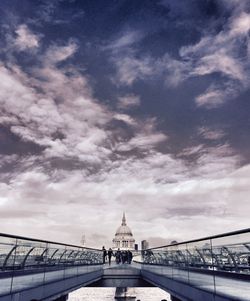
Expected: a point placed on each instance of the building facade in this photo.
(144, 245)
(124, 239)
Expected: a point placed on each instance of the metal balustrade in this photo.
(218, 264)
(228, 252)
(45, 261)
(197, 269)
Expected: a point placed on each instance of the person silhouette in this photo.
(104, 254)
(110, 253)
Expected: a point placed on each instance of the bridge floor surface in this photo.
(225, 286)
(233, 288)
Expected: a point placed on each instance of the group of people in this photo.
(124, 256)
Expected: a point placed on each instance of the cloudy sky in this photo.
(118, 105)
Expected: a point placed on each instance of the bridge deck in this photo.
(209, 269)
(233, 289)
(135, 275)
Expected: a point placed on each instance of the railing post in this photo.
(12, 277)
(212, 252)
(8, 256)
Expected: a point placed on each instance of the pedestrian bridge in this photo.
(215, 268)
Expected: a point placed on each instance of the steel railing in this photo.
(44, 260)
(228, 252)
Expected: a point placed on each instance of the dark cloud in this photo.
(13, 144)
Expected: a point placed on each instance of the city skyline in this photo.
(135, 106)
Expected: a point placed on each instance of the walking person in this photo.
(123, 257)
(110, 254)
(118, 256)
(130, 256)
(104, 254)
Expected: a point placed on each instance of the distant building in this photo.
(144, 244)
(123, 237)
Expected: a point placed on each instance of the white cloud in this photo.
(212, 162)
(240, 25)
(57, 53)
(211, 98)
(13, 90)
(142, 141)
(166, 187)
(211, 134)
(222, 53)
(130, 68)
(125, 118)
(7, 159)
(37, 117)
(216, 95)
(145, 137)
(215, 53)
(174, 71)
(217, 161)
(220, 62)
(123, 41)
(54, 107)
(128, 101)
(26, 39)
(57, 111)
(192, 150)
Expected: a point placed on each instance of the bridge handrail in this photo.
(228, 252)
(243, 231)
(202, 263)
(32, 261)
(24, 253)
(45, 241)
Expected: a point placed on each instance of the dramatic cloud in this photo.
(177, 193)
(213, 53)
(38, 117)
(222, 53)
(147, 114)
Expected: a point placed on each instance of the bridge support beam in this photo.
(62, 298)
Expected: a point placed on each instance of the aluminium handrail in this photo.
(45, 241)
(247, 230)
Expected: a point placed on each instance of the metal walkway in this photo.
(213, 268)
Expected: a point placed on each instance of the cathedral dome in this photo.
(123, 237)
(123, 230)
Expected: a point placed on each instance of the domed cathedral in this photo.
(123, 237)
